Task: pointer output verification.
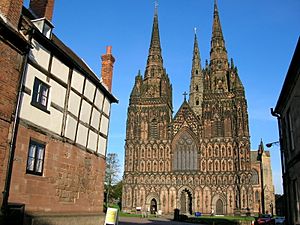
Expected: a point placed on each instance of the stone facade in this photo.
(198, 160)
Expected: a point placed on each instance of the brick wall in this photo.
(10, 64)
(72, 180)
(11, 10)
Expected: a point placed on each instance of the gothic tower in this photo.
(147, 148)
(198, 160)
(225, 142)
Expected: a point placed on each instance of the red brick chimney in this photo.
(107, 67)
(11, 10)
(42, 8)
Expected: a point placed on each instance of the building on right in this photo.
(287, 111)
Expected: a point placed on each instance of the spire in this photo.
(154, 66)
(196, 85)
(218, 56)
(196, 66)
(218, 53)
(260, 151)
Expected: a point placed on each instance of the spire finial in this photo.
(216, 3)
(155, 7)
(195, 30)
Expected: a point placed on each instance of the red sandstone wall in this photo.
(72, 180)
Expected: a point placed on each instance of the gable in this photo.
(186, 118)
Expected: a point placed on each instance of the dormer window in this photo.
(44, 26)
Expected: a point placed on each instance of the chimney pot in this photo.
(108, 50)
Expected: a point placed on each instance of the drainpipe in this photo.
(284, 176)
(12, 146)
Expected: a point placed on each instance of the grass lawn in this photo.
(219, 220)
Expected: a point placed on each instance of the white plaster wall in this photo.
(99, 99)
(85, 112)
(58, 93)
(74, 103)
(82, 135)
(92, 143)
(59, 69)
(70, 131)
(104, 125)
(51, 121)
(89, 90)
(77, 81)
(101, 145)
(95, 118)
(106, 107)
(40, 55)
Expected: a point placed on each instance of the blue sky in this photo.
(260, 35)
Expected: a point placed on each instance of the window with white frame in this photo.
(40, 95)
(35, 159)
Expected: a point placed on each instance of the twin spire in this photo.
(155, 62)
(218, 53)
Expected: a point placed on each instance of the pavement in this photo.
(152, 221)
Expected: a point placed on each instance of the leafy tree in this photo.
(116, 191)
(111, 173)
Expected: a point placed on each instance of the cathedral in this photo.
(198, 160)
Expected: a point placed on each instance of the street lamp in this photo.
(269, 145)
(259, 158)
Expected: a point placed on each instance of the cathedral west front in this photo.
(198, 160)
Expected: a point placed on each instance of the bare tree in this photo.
(111, 173)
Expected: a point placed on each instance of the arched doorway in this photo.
(153, 206)
(186, 202)
(219, 207)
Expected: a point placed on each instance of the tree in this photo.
(111, 173)
(116, 191)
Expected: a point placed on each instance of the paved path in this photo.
(152, 221)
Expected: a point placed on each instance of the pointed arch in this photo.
(185, 154)
(219, 204)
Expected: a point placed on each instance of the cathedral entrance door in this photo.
(153, 206)
(219, 207)
(186, 202)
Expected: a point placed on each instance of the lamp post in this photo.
(262, 192)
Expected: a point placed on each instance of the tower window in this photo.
(197, 88)
(197, 101)
(196, 71)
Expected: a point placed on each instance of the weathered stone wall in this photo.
(72, 179)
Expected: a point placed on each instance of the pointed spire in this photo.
(196, 66)
(155, 62)
(196, 85)
(260, 151)
(218, 53)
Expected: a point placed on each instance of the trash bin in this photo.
(176, 214)
(15, 214)
(197, 214)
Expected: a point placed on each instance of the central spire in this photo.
(154, 66)
(196, 66)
